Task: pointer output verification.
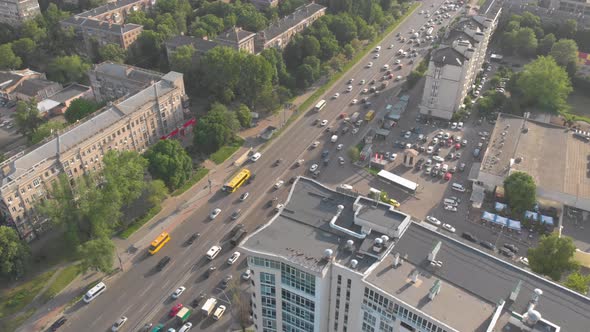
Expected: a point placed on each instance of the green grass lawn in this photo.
(226, 151)
(64, 278)
(197, 176)
(136, 224)
(14, 299)
(13, 324)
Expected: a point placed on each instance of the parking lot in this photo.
(9, 138)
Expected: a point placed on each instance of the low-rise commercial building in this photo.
(58, 103)
(330, 261)
(111, 81)
(454, 66)
(132, 124)
(15, 12)
(10, 81)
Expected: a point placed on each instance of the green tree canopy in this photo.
(244, 116)
(215, 129)
(521, 191)
(27, 118)
(565, 52)
(526, 42)
(169, 162)
(24, 48)
(546, 84)
(123, 173)
(68, 69)
(553, 256)
(45, 130)
(79, 109)
(9, 60)
(113, 53)
(14, 253)
(578, 282)
(97, 254)
(546, 44)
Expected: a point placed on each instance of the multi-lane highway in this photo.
(143, 295)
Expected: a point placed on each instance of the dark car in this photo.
(325, 153)
(469, 237)
(506, 252)
(326, 161)
(225, 282)
(197, 300)
(192, 238)
(58, 323)
(251, 178)
(315, 122)
(292, 179)
(236, 214)
(162, 263)
(277, 162)
(487, 245)
(210, 271)
(511, 247)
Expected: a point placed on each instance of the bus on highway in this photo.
(370, 115)
(237, 181)
(321, 104)
(159, 242)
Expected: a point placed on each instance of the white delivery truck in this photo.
(208, 307)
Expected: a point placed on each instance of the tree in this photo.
(14, 253)
(546, 44)
(546, 84)
(526, 40)
(24, 48)
(169, 162)
(68, 69)
(305, 76)
(123, 174)
(310, 46)
(33, 30)
(244, 116)
(565, 52)
(344, 28)
(578, 282)
(156, 192)
(9, 60)
(521, 191)
(552, 256)
(182, 59)
(215, 129)
(79, 109)
(112, 52)
(568, 28)
(45, 130)
(27, 118)
(97, 254)
(354, 154)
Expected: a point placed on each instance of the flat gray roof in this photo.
(291, 20)
(69, 92)
(490, 279)
(537, 149)
(301, 231)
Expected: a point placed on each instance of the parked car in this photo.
(433, 220)
(279, 184)
(246, 275)
(506, 252)
(448, 227)
(487, 245)
(511, 247)
(233, 258)
(451, 208)
(469, 237)
(58, 323)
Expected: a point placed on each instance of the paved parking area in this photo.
(576, 224)
(9, 138)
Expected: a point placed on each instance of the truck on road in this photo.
(183, 315)
(354, 117)
(208, 307)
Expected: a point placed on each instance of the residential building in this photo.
(106, 24)
(330, 261)
(264, 4)
(58, 103)
(35, 88)
(11, 80)
(454, 66)
(236, 38)
(15, 12)
(110, 81)
(279, 34)
(132, 124)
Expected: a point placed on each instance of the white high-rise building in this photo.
(329, 261)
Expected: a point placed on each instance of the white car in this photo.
(376, 56)
(355, 130)
(120, 322)
(279, 184)
(392, 156)
(354, 101)
(336, 95)
(398, 78)
(255, 156)
(451, 208)
(524, 260)
(430, 149)
(460, 125)
(438, 158)
(233, 258)
(315, 144)
(362, 82)
(369, 65)
(454, 125)
(398, 61)
(186, 327)
(323, 123)
(390, 46)
(246, 275)
(349, 88)
(244, 196)
(339, 146)
(448, 228)
(408, 134)
(433, 220)
(214, 213)
(313, 168)
(178, 292)
(446, 136)
(365, 91)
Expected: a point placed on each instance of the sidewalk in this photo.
(174, 211)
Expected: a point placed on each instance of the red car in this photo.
(175, 309)
(448, 176)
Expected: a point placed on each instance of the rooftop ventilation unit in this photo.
(396, 259)
(354, 263)
(350, 245)
(378, 245)
(328, 253)
(414, 276)
(435, 289)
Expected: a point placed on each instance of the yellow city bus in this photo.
(369, 116)
(237, 181)
(159, 242)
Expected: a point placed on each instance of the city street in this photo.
(143, 295)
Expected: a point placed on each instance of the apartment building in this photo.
(279, 34)
(15, 12)
(454, 66)
(132, 124)
(106, 24)
(111, 81)
(11, 80)
(330, 261)
(236, 38)
(264, 4)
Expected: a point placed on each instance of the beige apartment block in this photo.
(132, 124)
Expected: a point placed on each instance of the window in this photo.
(297, 279)
(339, 280)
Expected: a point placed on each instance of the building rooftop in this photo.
(69, 92)
(291, 20)
(200, 45)
(127, 72)
(79, 133)
(448, 56)
(32, 86)
(235, 35)
(469, 275)
(302, 230)
(512, 149)
(107, 8)
(92, 23)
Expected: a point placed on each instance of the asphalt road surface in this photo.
(143, 295)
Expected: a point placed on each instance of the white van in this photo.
(219, 312)
(334, 138)
(213, 252)
(345, 186)
(452, 202)
(458, 187)
(94, 292)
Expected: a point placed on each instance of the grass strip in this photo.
(15, 299)
(196, 177)
(226, 151)
(61, 281)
